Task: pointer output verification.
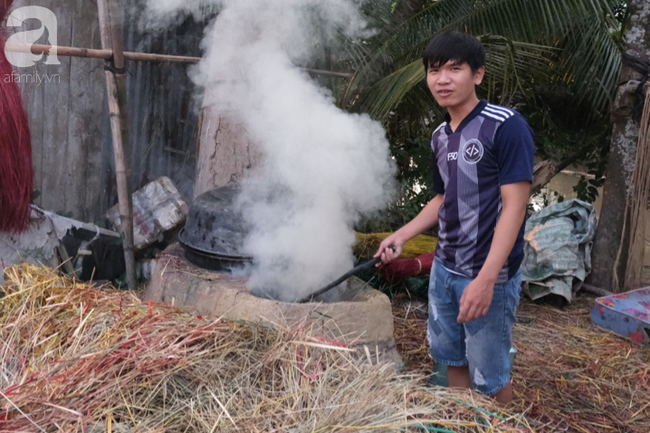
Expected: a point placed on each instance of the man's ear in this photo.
(478, 75)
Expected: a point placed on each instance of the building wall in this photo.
(68, 112)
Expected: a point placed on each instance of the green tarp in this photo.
(558, 246)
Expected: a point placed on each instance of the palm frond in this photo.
(507, 62)
(535, 21)
(387, 93)
(587, 58)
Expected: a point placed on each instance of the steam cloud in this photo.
(321, 166)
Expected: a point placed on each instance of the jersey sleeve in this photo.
(515, 151)
(438, 184)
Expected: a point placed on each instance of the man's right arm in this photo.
(427, 218)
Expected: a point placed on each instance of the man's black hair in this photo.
(457, 46)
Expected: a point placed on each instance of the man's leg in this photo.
(446, 335)
(458, 377)
(489, 339)
(504, 395)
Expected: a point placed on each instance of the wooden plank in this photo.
(71, 147)
(33, 104)
(56, 112)
(108, 191)
(63, 130)
(84, 128)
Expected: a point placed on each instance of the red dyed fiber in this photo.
(402, 269)
(16, 171)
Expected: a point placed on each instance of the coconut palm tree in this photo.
(557, 61)
(533, 47)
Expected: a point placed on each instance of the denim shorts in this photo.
(483, 344)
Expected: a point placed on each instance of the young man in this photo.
(483, 165)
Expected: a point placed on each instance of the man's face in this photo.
(452, 84)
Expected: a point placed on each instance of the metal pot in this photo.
(214, 232)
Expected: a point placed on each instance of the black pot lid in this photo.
(214, 225)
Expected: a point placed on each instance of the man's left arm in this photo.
(477, 296)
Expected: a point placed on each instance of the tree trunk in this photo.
(225, 151)
(609, 257)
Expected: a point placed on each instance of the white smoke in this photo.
(321, 166)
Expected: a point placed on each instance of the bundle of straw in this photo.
(366, 244)
(78, 359)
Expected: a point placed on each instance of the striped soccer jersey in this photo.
(492, 146)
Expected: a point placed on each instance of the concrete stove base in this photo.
(362, 313)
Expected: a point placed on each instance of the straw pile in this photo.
(410, 321)
(569, 375)
(574, 376)
(78, 359)
(366, 244)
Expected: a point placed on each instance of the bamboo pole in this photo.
(115, 22)
(132, 56)
(97, 54)
(111, 40)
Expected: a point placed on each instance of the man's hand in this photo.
(427, 218)
(477, 296)
(389, 249)
(476, 299)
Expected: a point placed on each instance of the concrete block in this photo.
(362, 315)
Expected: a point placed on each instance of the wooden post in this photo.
(111, 36)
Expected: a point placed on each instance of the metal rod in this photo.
(138, 57)
(340, 280)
